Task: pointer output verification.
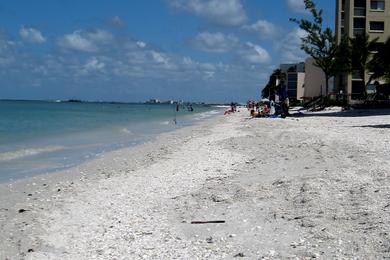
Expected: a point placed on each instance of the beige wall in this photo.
(370, 15)
(374, 15)
(314, 79)
(300, 85)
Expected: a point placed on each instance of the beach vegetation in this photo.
(361, 55)
(321, 43)
(379, 65)
(273, 84)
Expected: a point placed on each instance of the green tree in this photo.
(343, 60)
(343, 56)
(361, 55)
(319, 43)
(272, 85)
(379, 65)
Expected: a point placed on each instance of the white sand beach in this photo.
(316, 186)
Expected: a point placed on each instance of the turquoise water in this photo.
(40, 137)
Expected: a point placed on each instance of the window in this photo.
(360, 3)
(359, 25)
(377, 26)
(376, 47)
(378, 5)
(292, 80)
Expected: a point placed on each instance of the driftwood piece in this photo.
(208, 222)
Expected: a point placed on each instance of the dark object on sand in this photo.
(284, 107)
(208, 222)
(239, 255)
(209, 240)
(21, 210)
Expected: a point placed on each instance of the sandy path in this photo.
(312, 187)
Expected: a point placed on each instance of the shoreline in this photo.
(36, 191)
(58, 153)
(314, 186)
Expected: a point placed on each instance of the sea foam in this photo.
(22, 153)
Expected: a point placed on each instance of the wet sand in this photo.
(315, 186)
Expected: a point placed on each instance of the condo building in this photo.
(304, 81)
(294, 79)
(354, 17)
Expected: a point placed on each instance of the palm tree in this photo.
(343, 63)
(361, 54)
(380, 63)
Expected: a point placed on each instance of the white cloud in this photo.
(123, 68)
(85, 41)
(222, 12)
(99, 36)
(94, 64)
(31, 35)
(76, 41)
(141, 44)
(159, 57)
(265, 29)
(116, 21)
(290, 47)
(297, 6)
(254, 54)
(7, 50)
(214, 42)
(148, 60)
(209, 74)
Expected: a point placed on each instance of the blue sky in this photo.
(121, 50)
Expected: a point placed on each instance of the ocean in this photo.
(38, 137)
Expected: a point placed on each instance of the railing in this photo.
(359, 11)
(358, 31)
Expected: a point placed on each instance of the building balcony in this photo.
(358, 31)
(359, 11)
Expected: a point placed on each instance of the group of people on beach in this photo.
(264, 108)
(233, 108)
(268, 108)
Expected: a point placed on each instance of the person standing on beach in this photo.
(285, 108)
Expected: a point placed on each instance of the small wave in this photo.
(207, 114)
(126, 131)
(8, 156)
(165, 122)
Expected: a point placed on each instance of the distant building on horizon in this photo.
(355, 17)
(153, 101)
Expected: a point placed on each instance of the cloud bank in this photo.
(214, 42)
(31, 35)
(226, 12)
